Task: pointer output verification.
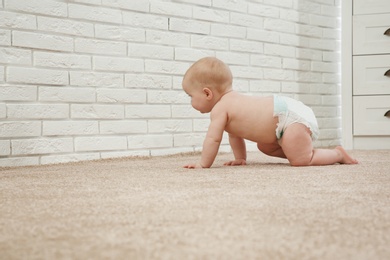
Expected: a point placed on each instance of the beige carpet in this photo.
(139, 208)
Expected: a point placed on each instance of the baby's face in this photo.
(198, 97)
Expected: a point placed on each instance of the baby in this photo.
(281, 126)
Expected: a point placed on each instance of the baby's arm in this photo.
(239, 150)
(212, 141)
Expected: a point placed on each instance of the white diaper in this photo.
(290, 111)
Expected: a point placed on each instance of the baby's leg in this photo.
(273, 149)
(297, 146)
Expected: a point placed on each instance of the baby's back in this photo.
(250, 117)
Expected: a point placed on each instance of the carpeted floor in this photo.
(151, 208)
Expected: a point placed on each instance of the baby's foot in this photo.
(346, 158)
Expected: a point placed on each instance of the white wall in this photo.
(90, 79)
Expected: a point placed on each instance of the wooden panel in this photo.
(371, 6)
(369, 115)
(371, 75)
(369, 34)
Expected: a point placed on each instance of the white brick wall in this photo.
(90, 79)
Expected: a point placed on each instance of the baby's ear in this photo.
(208, 92)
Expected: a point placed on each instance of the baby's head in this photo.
(209, 73)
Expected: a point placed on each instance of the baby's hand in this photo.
(193, 166)
(237, 162)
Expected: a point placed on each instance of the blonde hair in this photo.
(210, 72)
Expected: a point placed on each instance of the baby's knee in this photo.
(302, 161)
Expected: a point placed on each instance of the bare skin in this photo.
(251, 118)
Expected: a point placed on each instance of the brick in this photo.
(295, 87)
(248, 21)
(121, 96)
(81, 111)
(66, 94)
(331, 78)
(246, 46)
(309, 54)
(41, 146)
(278, 74)
(209, 42)
(145, 20)
(120, 33)
(188, 140)
(65, 26)
(209, 14)
(265, 86)
(60, 60)
(280, 3)
(279, 50)
(307, 76)
(3, 110)
(324, 44)
(2, 74)
(331, 33)
(323, 21)
(96, 79)
(104, 143)
(224, 30)
(196, 2)
(325, 66)
(148, 81)
(149, 141)
(37, 76)
(307, 6)
(168, 38)
(139, 5)
(148, 111)
(69, 128)
(17, 20)
(15, 56)
(262, 10)
(266, 61)
(295, 16)
(171, 9)
(150, 51)
(279, 25)
(294, 40)
(19, 161)
(169, 126)
(118, 64)
(325, 88)
(247, 72)
(100, 46)
(189, 26)
(5, 147)
(187, 54)
(37, 111)
(296, 64)
(167, 97)
(234, 58)
(18, 93)
(165, 67)
(309, 30)
(201, 125)
(263, 35)
(186, 111)
(237, 6)
(47, 7)
(95, 13)
(5, 37)
(42, 41)
(123, 127)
